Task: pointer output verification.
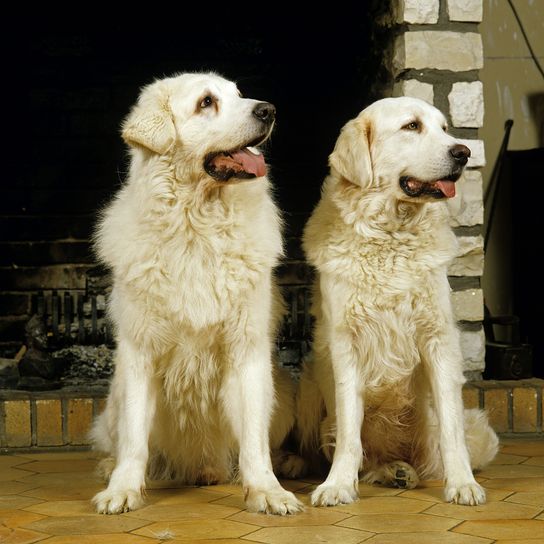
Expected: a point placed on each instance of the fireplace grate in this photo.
(76, 317)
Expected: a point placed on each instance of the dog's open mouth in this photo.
(440, 188)
(244, 163)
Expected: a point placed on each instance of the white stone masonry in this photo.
(439, 49)
(468, 305)
(467, 207)
(419, 11)
(415, 89)
(467, 104)
(466, 10)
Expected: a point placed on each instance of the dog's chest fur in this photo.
(391, 282)
(186, 261)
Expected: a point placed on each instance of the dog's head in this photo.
(204, 118)
(400, 146)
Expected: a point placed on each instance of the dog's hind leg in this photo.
(395, 474)
(288, 465)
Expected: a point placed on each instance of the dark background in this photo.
(72, 78)
(80, 80)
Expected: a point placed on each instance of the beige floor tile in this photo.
(86, 525)
(63, 508)
(13, 488)
(510, 528)
(490, 510)
(431, 483)
(519, 446)
(219, 541)
(236, 501)
(366, 490)
(19, 536)
(516, 484)
(15, 502)
(519, 541)
(64, 465)
(185, 495)
(7, 461)
(10, 473)
(64, 493)
(508, 459)
(310, 516)
(537, 461)
(293, 485)
(181, 512)
(436, 494)
(536, 499)
(196, 529)
(68, 479)
(426, 538)
(512, 471)
(308, 535)
(17, 518)
(114, 538)
(215, 541)
(227, 489)
(384, 505)
(398, 523)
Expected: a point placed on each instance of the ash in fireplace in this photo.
(85, 365)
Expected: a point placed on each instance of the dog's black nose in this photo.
(264, 111)
(460, 153)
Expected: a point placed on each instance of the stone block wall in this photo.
(436, 57)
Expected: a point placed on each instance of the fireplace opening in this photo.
(77, 83)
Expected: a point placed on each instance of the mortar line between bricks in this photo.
(3, 442)
(95, 408)
(510, 400)
(64, 420)
(33, 423)
(539, 422)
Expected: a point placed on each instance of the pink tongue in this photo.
(447, 187)
(253, 164)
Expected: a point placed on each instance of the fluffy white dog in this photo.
(386, 374)
(192, 238)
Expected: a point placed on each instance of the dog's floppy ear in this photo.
(351, 155)
(150, 123)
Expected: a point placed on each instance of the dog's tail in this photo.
(310, 412)
(482, 441)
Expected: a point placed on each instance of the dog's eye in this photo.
(445, 128)
(207, 101)
(414, 125)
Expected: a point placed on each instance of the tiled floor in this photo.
(45, 497)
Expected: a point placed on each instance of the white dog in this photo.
(386, 347)
(192, 238)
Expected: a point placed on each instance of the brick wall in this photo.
(437, 57)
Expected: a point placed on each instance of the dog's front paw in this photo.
(117, 501)
(331, 495)
(272, 501)
(470, 494)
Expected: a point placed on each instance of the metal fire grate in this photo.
(75, 317)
